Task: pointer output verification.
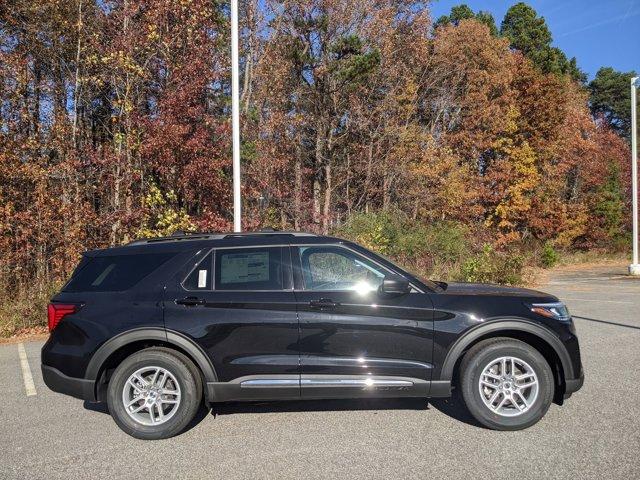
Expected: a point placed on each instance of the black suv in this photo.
(156, 327)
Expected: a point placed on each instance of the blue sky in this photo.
(597, 32)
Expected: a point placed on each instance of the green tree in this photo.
(530, 34)
(464, 12)
(526, 31)
(487, 19)
(610, 204)
(459, 12)
(611, 99)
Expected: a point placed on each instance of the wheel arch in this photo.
(112, 352)
(538, 337)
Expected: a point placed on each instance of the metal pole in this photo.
(634, 268)
(235, 118)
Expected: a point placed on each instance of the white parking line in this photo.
(29, 386)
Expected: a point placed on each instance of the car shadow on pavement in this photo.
(287, 406)
(455, 408)
(101, 407)
(96, 407)
(452, 407)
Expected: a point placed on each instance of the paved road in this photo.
(595, 435)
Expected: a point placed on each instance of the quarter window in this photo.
(114, 273)
(200, 277)
(338, 269)
(249, 269)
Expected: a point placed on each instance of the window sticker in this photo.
(202, 279)
(244, 267)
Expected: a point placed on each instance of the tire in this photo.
(524, 401)
(181, 379)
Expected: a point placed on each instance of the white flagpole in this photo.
(235, 118)
(634, 268)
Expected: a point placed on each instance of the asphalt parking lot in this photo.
(596, 434)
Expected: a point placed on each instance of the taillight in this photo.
(57, 311)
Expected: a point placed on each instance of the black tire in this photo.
(185, 373)
(478, 357)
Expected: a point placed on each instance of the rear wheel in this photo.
(506, 384)
(154, 393)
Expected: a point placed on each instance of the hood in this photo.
(486, 289)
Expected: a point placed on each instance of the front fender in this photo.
(494, 326)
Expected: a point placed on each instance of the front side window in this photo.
(249, 269)
(330, 268)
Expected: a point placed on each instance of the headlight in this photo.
(556, 310)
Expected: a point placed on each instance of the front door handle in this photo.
(323, 304)
(191, 301)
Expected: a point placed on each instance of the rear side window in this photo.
(200, 277)
(115, 273)
(249, 269)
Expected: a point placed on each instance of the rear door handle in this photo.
(191, 301)
(323, 304)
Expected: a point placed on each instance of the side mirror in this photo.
(395, 285)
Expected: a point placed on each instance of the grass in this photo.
(25, 312)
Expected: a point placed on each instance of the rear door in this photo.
(238, 305)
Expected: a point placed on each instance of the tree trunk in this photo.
(386, 191)
(317, 173)
(76, 89)
(326, 214)
(348, 192)
(367, 178)
(297, 192)
(37, 79)
(245, 98)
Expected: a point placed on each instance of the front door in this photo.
(238, 305)
(355, 340)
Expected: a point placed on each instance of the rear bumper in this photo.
(75, 387)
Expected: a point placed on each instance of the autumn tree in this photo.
(114, 123)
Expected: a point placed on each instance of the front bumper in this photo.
(76, 387)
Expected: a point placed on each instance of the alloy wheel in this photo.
(508, 386)
(151, 395)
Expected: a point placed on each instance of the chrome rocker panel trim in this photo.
(307, 386)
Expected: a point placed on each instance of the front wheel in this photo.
(506, 384)
(154, 394)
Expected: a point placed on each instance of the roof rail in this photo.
(177, 237)
(269, 232)
(180, 236)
